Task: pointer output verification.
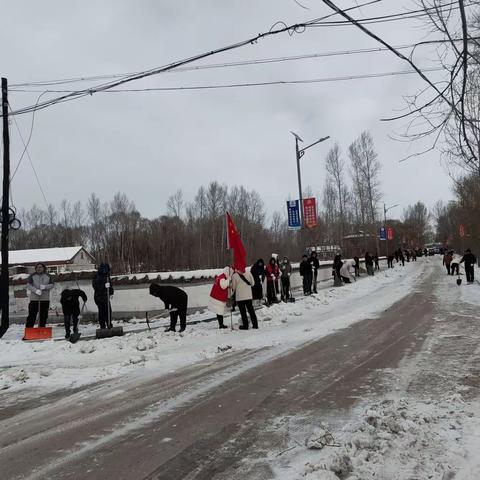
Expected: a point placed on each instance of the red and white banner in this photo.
(389, 233)
(235, 243)
(310, 212)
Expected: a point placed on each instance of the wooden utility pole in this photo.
(4, 303)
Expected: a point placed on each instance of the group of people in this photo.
(40, 284)
(240, 286)
(452, 263)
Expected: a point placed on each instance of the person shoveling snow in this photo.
(176, 301)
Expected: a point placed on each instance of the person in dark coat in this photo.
(103, 290)
(286, 271)
(273, 272)
(71, 308)
(176, 302)
(390, 261)
(470, 260)
(258, 273)
(337, 265)
(369, 263)
(306, 274)
(376, 261)
(314, 265)
(401, 256)
(357, 266)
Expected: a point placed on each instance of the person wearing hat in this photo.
(39, 285)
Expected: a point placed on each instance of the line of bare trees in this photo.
(191, 234)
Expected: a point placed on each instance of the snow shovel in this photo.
(110, 331)
(459, 280)
(38, 333)
(76, 335)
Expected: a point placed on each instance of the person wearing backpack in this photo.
(71, 308)
(242, 283)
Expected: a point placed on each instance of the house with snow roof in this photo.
(57, 260)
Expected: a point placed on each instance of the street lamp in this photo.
(385, 210)
(300, 152)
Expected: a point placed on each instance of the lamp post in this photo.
(385, 210)
(299, 153)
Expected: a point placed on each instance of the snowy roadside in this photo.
(423, 422)
(31, 368)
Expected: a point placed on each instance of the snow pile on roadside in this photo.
(53, 365)
(391, 439)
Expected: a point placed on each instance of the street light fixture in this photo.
(385, 210)
(300, 152)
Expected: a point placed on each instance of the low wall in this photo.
(133, 299)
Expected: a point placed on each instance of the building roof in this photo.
(44, 255)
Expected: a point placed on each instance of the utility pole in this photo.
(4, 300)
(300, 194)
(385, 210)
(299, 153)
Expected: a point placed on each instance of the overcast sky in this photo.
(150, 144)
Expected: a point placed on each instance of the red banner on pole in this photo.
(389, 233)
(461, 230)
(235, 243)
(310, 212)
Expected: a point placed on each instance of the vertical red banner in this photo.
(389, 233)
(310, 212)
(461, 231)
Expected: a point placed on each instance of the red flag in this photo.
(235, 243)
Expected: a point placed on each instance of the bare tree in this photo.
(176, 204)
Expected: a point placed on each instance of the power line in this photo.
(25, 144)
(240, 63)
(259, 84)
(290, 29)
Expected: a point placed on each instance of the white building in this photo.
(57, 260)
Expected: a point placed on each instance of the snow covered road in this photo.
(215, 404)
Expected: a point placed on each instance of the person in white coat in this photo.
(347, 271)
(242, 283)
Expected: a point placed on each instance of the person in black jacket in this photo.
(337, 265)
(258, 273)
(369, 263)
(314, 265)
(470, 260)
(175, 300)
(102, 291)
(71, 308)
(306, 274)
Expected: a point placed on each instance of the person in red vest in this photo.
(219, 295)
